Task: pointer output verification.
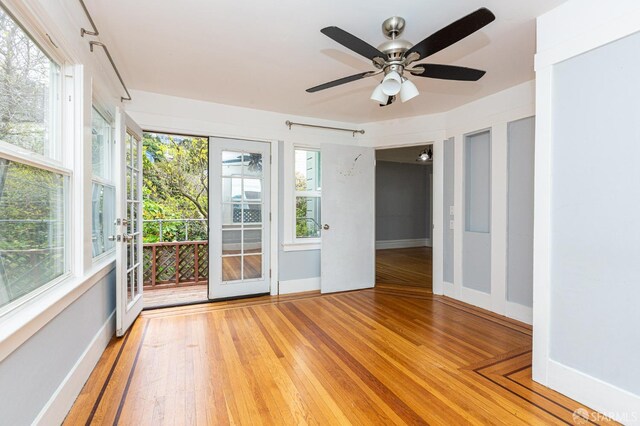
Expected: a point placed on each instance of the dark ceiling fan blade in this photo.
(352, 42)
(448, 72)
(452, 33)
(339, 81)
(389, 102)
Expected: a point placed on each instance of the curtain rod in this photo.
(353, 131)
(95, 32)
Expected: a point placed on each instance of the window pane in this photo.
(307, 169)
(307, 217)
(103, 214)
(32, 229)
(28, 105)
(100, 145)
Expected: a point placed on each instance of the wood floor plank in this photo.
(404, 267)
(381, 356)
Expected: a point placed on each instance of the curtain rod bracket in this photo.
(353, 131)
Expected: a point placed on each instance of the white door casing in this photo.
(240, 219)
(348, 215)
(128, 172)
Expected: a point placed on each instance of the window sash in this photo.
(51, 159)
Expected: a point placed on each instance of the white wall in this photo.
(586, 285)
(491, 113)
(296, 268)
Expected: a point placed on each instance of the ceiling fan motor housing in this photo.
(395, 47)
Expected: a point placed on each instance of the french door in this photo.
(128, 238)
(348, 241)
(240, 218)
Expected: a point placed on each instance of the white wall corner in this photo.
(58, 406)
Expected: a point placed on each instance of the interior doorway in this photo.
(175, 219)
(404, 216)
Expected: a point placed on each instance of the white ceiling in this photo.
(264, 54)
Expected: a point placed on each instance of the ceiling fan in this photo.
(396, 56)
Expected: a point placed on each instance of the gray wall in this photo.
(595, 241)
(448, 201)
(292, 265)
(403, 201)
(520, 143)
(33, 372)
(476, 256)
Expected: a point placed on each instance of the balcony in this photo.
(175, 272)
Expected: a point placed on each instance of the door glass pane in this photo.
(231, 163)
(252, 267)
(231, 268)
(228, 214)
(252, 241)
(129, 286)
(252, 213)
(231, 190)
(134, 151)
(134, 188)
(231, 242)
(127, 148)
(252, 189)
(253, 165)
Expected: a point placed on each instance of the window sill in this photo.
(20, 324)
(301, 246)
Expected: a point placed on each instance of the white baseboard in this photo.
(63, 398)
(298, 286)
(519, 312)
(476, 298)
(393, 244)
(448, 289)
(611, 401)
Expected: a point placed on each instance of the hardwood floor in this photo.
(390, 355)
(175, 296)
(407, 266)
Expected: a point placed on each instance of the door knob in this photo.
(325, 227)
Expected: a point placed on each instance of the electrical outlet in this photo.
(451, 210)
(451, 223)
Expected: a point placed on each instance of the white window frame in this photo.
(60, 160)
(24, 317)
(100, 180)
(290, 241)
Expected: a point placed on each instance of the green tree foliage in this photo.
(175, 170)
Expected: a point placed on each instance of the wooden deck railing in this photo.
(176, 264)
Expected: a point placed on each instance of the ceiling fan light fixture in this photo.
(392, 83)
(378, 95)
(408, 91)
(425, 155)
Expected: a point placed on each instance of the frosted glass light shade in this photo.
(378, 95)
(408, 91)
(391, 83)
